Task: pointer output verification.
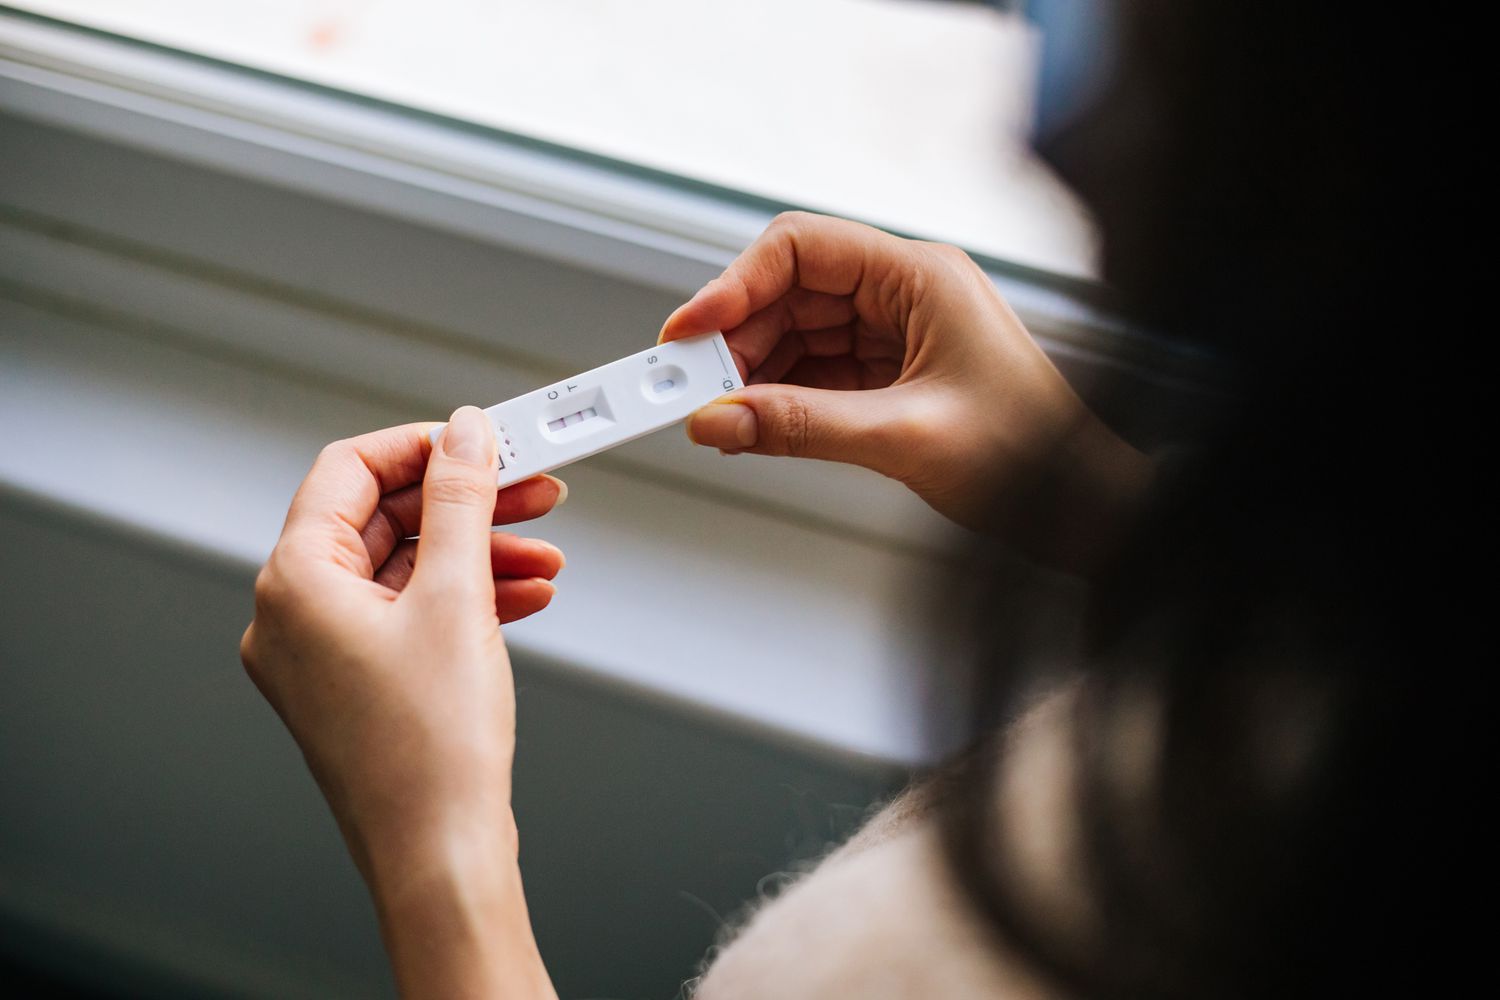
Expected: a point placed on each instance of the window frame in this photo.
(569, 205)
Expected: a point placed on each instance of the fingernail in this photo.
(562, 492)
(730, 426)
(562, 560)
(465, 437)
(668, 323)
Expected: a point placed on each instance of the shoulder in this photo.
(880, 918)
(883, 917)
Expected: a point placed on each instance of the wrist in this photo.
(401, 858)
(1101, 485)
(453, 912)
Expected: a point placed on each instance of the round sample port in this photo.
(661, 383)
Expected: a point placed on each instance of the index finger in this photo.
(797, 250)
(346, 482)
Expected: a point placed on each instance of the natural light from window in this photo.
(910, 114)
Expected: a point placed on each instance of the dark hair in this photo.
(1288, 604)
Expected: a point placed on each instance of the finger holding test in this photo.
(516, 599)
(342, 491)
(458, 501)
(782, 320)
(829, 256)
(511, 558)
(399, 515)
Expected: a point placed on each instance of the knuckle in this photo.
(333, 450)
(789, 219)
(786, 316)
(794, 421)
(269, 589)
(458, 491)
(934, 267)
(248, 652)
(788, 224)
(965, 266)
(954, 254)
(737, 285)
(895, 292)
(949, 256)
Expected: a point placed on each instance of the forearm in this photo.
(454, 920)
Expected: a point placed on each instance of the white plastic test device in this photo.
(608, 406)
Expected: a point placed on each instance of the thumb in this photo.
(458, 503)
(836, 425)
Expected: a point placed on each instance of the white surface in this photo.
(599, 409)
(912, 115)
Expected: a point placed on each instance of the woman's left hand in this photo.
(384, 658)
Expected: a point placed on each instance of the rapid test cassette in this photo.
(621, 401)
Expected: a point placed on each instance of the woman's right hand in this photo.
(897, 355)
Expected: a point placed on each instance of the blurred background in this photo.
(232, 232)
